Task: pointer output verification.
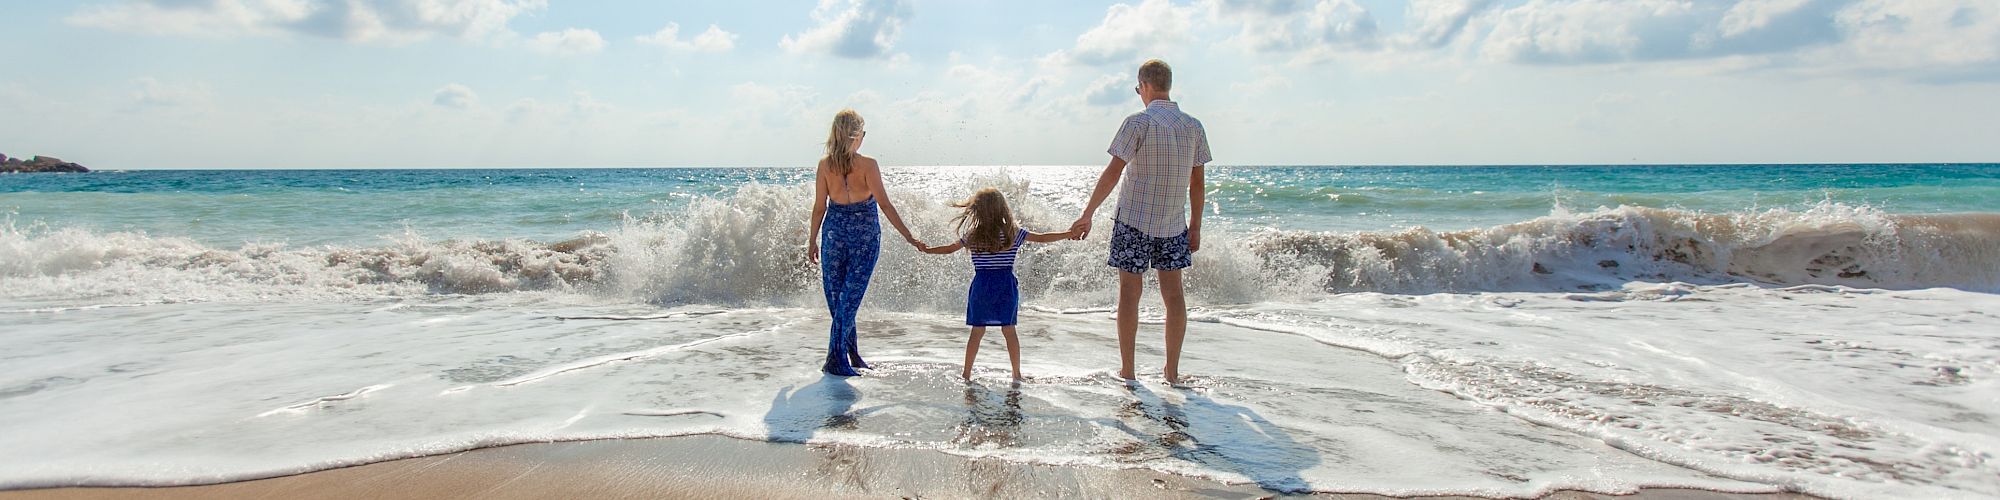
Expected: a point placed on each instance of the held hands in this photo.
(1081, 228)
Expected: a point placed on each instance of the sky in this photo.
(557, 83)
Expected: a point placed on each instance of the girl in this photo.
(987, 229)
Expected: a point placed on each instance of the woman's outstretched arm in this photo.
(953, 247)
(888, 208)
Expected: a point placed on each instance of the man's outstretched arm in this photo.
(1105, 183)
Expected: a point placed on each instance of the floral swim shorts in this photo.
(1134, 251)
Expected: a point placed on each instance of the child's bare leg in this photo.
(972, 351)
(1013, 349)
(1172, 296)
(1130, 287)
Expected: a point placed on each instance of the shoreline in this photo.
(720, 466)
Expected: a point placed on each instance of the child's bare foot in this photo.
(965, 375)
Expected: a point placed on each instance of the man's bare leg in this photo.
(1175, 300)
(1130, 287)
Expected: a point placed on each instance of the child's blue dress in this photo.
(995, 297)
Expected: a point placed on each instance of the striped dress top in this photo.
(1001, 260)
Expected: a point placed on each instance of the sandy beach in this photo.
(720, 467)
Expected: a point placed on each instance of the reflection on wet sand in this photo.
(993, 418)
(1216, 435)
(796, 415)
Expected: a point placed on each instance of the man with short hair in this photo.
(1165, 150)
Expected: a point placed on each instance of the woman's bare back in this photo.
(854, 187)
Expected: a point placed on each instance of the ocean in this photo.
(1476, 330)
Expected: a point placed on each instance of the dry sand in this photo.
(719, 467)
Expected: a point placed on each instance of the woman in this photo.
(846, 191)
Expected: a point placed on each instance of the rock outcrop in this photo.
(38, 164)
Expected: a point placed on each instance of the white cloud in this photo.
(154, 93)
(1750, 15)
(898, 61)
(584, 105)
(1601, 31)
(1284, 26)
(1586, 31)
(1939, 36)
(1436, 23)
(1266, 24)
(455, 96)
(999, 108)
(713, 40)
(1152, 26)
(1603, 112)
(998, 89)
(1112, 90)
(568, 42)
(526, 107)
(854, 29)
(366, 21)
(581, 106)
(776, 106)
(1922, 40)
(1268, 82)
(863, 98)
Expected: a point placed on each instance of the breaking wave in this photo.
(749, 248)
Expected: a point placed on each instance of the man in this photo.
(1165, 150)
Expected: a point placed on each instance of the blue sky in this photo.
(526, 83)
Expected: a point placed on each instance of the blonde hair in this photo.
(986, 225)
(1155, 72)
(840, 141)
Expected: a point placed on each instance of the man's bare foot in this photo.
(1173, 379)
(1125, 373)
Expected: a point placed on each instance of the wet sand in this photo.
(714, 466)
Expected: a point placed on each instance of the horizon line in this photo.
(1245, 165)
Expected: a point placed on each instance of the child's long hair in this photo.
(986, 225)
(840, 141)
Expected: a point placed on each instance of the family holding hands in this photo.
(1156, 164)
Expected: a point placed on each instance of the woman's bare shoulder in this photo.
(866, 161)
(823, 170)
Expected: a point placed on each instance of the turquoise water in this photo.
(360, 207)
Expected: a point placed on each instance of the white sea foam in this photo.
(1838, 351)
(748, 249)
(1750, 389)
